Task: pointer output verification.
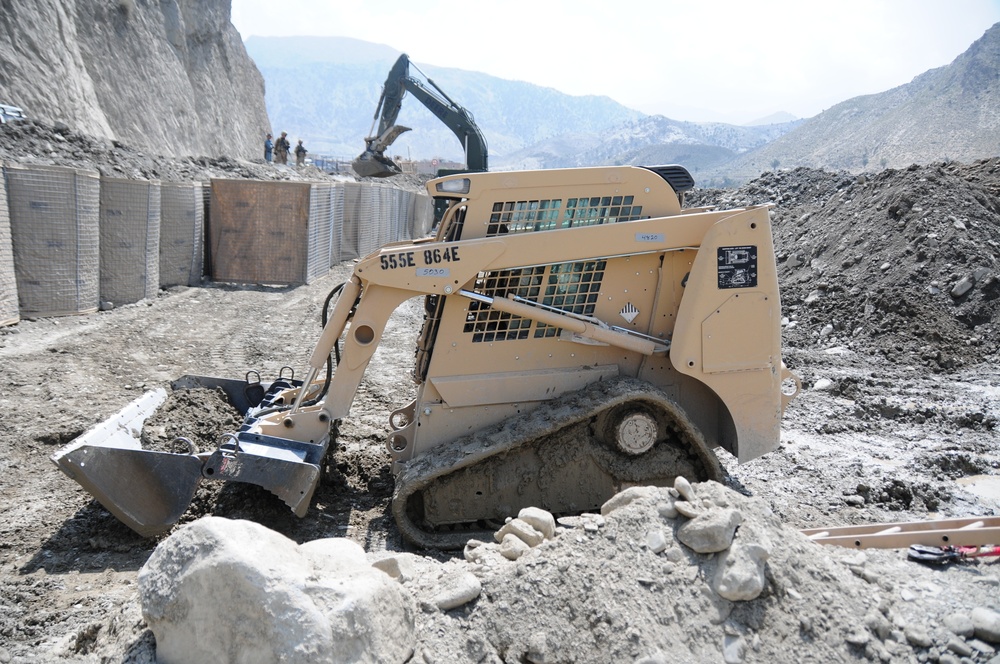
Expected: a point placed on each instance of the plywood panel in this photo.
(259, 231)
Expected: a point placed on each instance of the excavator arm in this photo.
(374, 163)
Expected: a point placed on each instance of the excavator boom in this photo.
(373, 162)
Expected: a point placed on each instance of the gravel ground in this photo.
(889, 287)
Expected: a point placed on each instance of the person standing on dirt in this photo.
(268, 149)
(300, 154)
(281, 148)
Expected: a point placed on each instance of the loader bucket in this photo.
(110, 464)
(150, 490)
(168, 482)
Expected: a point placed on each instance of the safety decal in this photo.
(738, 267)
(629, 312)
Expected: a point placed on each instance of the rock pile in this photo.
(694, 573)
(903, 262)
(38, 143)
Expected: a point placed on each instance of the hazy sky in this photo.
(708, 60)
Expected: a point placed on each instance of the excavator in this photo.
(583, 333)
(374, 163)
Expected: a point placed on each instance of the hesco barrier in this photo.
(375, 215)
(130, 240)
(361, 226)
(293, 232)
(55, 231)
(206, 191)
(386, 212)
(320, 230)
(337, 197)
(182, 233)
(74, 240)
(8, 281)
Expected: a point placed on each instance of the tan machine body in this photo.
(583, 333)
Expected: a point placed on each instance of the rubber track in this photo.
(420, 474)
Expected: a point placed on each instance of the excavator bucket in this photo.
(370, 165)
(150, 490)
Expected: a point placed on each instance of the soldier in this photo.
(281, 148)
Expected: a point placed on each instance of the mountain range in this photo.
(325, 90)
(950, 113)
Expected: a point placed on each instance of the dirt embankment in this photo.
(905, 263)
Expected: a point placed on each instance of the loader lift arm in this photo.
(374, 163)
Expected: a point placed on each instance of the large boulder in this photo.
(220, 590)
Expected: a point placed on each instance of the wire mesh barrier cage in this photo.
(258, 232)
(55, 233)
(338, 195)
(72, 241)
(130, 240)
(182, 222)
(8, 280)
(361, 223)
(319, 229)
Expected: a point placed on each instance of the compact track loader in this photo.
(583, 333)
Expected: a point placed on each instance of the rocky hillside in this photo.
(949, 113)
(171, 77)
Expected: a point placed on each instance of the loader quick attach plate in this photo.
(150, 490)
(287, 468)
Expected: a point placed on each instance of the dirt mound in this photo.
(37, 143)
(903, 263)
(625, 588)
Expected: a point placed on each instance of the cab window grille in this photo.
(524, 216)
(547, 215)
(569, 287)
(488, 325)
(598, 210)
(573, 288)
